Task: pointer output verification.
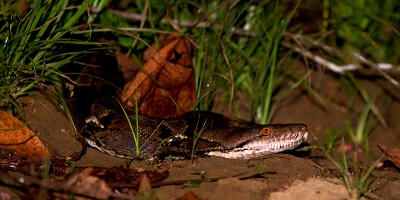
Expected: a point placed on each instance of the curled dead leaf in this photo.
(16, 137)
(165, 87)
(393, 155)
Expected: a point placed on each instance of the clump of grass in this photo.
(246, 63)
(29, 35)
(358, 180)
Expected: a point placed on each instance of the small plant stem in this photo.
(135, 136)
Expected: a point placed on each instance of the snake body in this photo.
(101, 121)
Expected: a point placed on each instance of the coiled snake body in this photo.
(100, 120)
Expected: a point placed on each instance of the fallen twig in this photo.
(380, 67)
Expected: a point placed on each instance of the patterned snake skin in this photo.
(101, 121)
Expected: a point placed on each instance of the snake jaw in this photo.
(275, 143)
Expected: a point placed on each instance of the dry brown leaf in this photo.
(167, 75)
(16, 137)
(394, 156)
(119, 175)
(149, 52)
(89, 186)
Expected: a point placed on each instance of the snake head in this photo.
(267, 139)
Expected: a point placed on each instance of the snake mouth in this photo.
(265, 145)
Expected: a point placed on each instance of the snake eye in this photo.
(266, 131)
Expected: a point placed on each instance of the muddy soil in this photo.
(281, 172)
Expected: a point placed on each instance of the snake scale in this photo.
(99, 118)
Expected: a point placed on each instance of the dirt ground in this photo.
(291, 175)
